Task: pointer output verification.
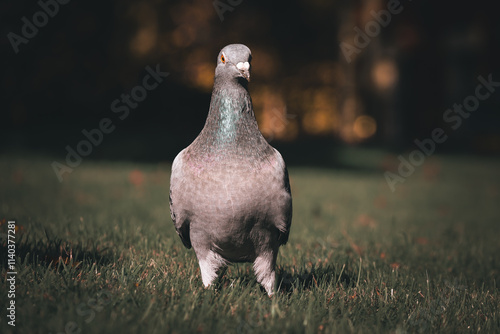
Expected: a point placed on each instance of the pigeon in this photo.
(230, 197)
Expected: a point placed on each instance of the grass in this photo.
(98, 253)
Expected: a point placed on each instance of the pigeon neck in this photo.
(231, 116)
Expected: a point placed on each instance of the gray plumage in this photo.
(229, 191)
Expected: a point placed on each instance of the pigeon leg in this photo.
(209, 265)
(264, 270)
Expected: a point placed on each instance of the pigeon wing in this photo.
(181, 224)
(284, 222)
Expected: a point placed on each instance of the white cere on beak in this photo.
(243, 66)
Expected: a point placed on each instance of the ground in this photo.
(98, 253)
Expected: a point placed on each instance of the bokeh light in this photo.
(364, 127)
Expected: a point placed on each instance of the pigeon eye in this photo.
(222, 59)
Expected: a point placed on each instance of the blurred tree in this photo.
(404, 72)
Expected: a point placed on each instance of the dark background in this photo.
(308, 99)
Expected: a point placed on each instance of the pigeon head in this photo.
(233, 62)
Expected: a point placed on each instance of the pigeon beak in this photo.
(244, 68)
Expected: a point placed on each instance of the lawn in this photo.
(98, 253)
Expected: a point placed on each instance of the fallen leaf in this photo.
(354, 246)
(136, 177)
(18, 177)
(365, 220)
(380, 202)
(422, 241)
